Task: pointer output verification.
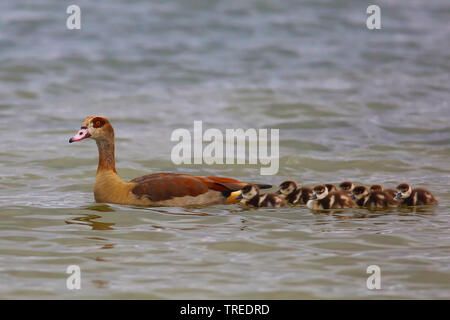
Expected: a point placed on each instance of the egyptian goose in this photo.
(372, 199)
(294, 194)
(414, 197)
(323, 199)
(251, 197)
(158, 189)
(379, 187)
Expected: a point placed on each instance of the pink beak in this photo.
(81, 135)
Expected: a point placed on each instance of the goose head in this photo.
(376, 187)
(347, 186)
(249, 192)
(319, 192)
(359, 192)
(95, 127)
(287, 187)
(404, 191)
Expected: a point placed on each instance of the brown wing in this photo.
(165, 186)
(232, 184)
(225, 184)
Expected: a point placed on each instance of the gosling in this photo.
(251, 197)
(372, 199)
(414, 197)
(294, 194)
(323, 199)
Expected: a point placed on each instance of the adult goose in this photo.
(158, 189)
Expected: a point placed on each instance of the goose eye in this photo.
(98, 123)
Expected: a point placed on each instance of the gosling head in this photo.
(359, 192)
(376, 187)
(404, 191)
(319, 192)
(95, 127)
(347, 186)
(287, 187)
(330, 187)
(249, 192)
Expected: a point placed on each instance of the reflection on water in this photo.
(425, 210)
(89, 220)
(100, 284)
(100, 208)
(189, 211)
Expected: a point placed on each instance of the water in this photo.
(369, 106)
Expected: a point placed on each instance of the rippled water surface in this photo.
(369, 106)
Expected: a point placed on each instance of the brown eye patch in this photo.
(376, 187)
(286, 184)
(345, 185)
(359, 190)
(403, 187)
(319, 189)
(98, 122)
